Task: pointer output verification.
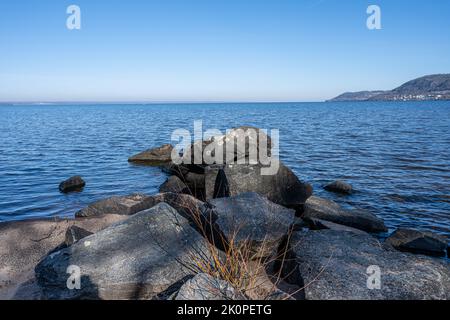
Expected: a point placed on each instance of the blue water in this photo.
(396, 155)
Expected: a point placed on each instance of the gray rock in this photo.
(318, 224)
(75, 234)
(25, 243)
(154, 156)
(175, 185)
(328, 210)
(418, 242)
(335, 265)
(283, 188)
(138, 258)
(247, 138)
(339, 187)
(75, 183)
(192, 175)
(126, 205)
(250, 219)
(206, 287)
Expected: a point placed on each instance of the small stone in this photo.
(75, 183)
(339, 187)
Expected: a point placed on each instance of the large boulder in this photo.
(336, 265)
(239, 143)
(25, 243)
(251, 220)
(123, 205)
(138, 258)
(75, 183)
(418, 242)
(283, 188)
(328, 210)
(339, 187)
(155, 156)
(206, 287)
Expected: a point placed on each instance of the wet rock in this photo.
(418, 242)
(328, 210)
(283, 187)
(335, 265)
(318, 224)
(175, 185)
(75, 183)
(75, 234)
(251, 220)
(136, 259)
(339, 187)
(206, 287)
(154, 156)
(126, 205)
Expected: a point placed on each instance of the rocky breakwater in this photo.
(225, 230)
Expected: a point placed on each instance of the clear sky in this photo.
(216, 50)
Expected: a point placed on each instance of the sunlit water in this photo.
(396, 155)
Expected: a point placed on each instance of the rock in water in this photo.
(75, 183)
(206, 287)
(418, 242)
(328, 210)
(283, 188)
(250, 219)
(175, 185)
(126, 205)
(75, 234)
(339, 187)
(138, 258)
(336, 265)
(155, 156)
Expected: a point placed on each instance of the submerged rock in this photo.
(336, 265)
(250, 219)
(154, 156)
(206, 287)
(126, 205)
(339, 187)
(138, 258)
(328, 210)
(418, 242)
(283, 187)
(75, 234)
(75, 183)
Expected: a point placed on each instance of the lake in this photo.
(395, 154)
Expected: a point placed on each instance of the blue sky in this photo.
(216, 50)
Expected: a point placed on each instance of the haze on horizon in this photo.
(225, 50)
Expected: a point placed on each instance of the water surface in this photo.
(396, 155)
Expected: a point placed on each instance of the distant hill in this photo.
(432, 87)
